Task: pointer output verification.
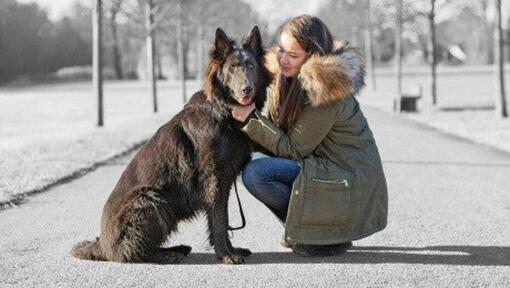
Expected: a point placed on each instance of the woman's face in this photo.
(291, 55)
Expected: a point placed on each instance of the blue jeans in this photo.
(270, 180)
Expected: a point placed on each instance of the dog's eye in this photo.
(233, 67)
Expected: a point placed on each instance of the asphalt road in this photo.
(448, 227)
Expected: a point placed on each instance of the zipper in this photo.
(268, 128)
(342, 181)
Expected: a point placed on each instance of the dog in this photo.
(187, 167)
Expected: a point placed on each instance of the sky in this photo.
(274, 12)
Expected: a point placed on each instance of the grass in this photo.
(49, 132)
(465, 102)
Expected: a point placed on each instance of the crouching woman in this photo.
(323, 177)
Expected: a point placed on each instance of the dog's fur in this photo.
(187, 167)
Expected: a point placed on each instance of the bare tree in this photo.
(180, 49)
(432, 18)
(114, 8)
(368, 46)
(501, 104)
(97, 59)
(199, 41)
(154, 11)
(398, 56)
(149, 26)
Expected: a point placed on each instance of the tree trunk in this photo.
(368, 47)
(97, 59)
(501, 104)
(432, 19)
(200, 50)
(149, 21)
(159, 65)
(117, 59)
(398, 57)
(180, 52)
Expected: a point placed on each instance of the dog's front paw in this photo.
(243, 252)
(231, 259)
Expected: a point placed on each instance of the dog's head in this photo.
(236, 74)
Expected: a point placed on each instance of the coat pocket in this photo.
(326, 202)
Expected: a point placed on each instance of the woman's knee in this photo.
(251, 175)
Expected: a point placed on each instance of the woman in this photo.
(324, 176)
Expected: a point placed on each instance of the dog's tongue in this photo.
(246, 100)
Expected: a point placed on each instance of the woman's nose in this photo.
(284, 59)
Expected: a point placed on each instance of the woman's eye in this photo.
(250, 65)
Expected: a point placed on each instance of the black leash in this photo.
(243, 220)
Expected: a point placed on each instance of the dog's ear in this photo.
(253, 42)
(222, 45)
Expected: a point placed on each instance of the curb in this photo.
(23, 197)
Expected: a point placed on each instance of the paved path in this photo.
(448, 227)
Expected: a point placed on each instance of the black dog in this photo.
(187, 167)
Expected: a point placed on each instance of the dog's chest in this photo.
(233, 149)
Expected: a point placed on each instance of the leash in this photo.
(243, 220)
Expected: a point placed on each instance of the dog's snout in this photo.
(247, 89)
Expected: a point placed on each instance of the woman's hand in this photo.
(240, 113)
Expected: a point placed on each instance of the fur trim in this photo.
(329, 77)
(271, 61)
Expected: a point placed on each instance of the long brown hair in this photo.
(314, 37)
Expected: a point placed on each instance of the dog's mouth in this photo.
(245, 100)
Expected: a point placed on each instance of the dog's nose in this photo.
(247, 89)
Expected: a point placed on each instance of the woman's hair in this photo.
(314, 37)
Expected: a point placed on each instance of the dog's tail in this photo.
(88, 250)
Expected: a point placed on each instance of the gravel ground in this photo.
(447, 227)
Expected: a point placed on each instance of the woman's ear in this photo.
(253, 42)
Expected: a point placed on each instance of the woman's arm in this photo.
(310, 129)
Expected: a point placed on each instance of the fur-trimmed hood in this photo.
(327, 78)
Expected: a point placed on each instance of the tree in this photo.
(180, 49)
(199, 41)
(501, 104)
(114, 7)
(97, 71)
(398, 56)
(368, 46)
(432, 17)
(149, 26)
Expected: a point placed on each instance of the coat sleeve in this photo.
(310, 129)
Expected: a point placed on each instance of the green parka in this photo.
(340, 193)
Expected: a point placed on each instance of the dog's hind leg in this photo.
(183, 249)
(174, 254)
(142, 226)
(166, 256)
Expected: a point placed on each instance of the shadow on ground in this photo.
(441, 255)
(468, 108)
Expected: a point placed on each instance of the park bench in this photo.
(409, 97)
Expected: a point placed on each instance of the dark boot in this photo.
(321, 250)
